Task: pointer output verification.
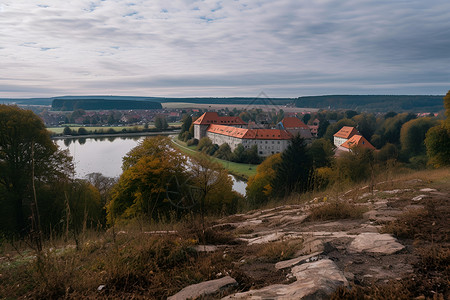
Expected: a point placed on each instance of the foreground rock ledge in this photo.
(375, 243)
(204, 288)
(315, 280)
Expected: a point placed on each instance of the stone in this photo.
(418, 198)
(295, 261)
(203, 289)
(315, 280)
(206, 248)
(428, 190)
(375, 243)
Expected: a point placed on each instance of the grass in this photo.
(237, 169)
(336, 210)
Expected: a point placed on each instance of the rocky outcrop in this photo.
(375, 243)
(315, 280)
(206, 288)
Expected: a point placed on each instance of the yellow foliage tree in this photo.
(148, 171)
(259, 186)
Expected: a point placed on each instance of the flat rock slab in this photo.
(375, 243)
(202, 289)
(298, 260)
(315, 280)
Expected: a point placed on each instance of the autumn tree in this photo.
(28, 159)
(259, 186)
(148, 169)
(215, 185)
(438, 139)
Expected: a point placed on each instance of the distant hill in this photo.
(102, 104)
(371, 103)
(375, 103)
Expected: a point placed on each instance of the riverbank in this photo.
(241, 171)
(118, 134)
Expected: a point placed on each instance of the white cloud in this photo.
(223, 48)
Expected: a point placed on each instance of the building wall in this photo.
(265, 147)
(339, 141)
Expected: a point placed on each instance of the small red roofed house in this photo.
(295, 126)
(344, 135)
(355, 141)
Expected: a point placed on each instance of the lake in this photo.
(104, 155)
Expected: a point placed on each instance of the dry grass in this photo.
(336, 210)
(277, 251)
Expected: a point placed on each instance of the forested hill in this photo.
(100, 104)
(372, 103)
(381, 103)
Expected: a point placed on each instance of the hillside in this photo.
(374, 103)
(102, 104)
(389, 243)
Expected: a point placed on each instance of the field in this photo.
(183, 105)
(237, 169)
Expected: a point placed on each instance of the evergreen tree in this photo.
(292, 173)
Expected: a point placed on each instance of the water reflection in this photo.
(104, 155)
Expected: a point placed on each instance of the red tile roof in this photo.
(293, 122)
(214, 118)
(357, 140)
(346, 132)
(258, 134)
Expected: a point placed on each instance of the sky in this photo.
(187, 48)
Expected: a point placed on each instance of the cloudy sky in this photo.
(224, 48)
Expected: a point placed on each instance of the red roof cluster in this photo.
(293, 122)
(258, 134)
(357, 140)
(346, 132)
(214, 118)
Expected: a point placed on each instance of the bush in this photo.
(192, 142)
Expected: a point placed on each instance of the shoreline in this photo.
(119, 134)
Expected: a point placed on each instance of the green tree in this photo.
(306, 118)
(239, 154)
(26, 150)
(321, 152)
(161, 122)
(293, 171)
(349, 114)
(366, 124)
(82, 131)
(438, 146)
(186, 123)
(224, 152)
(333, 128)
(412, 136)
(67, 131)
(390, 129)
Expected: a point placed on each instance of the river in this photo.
(104, 155)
